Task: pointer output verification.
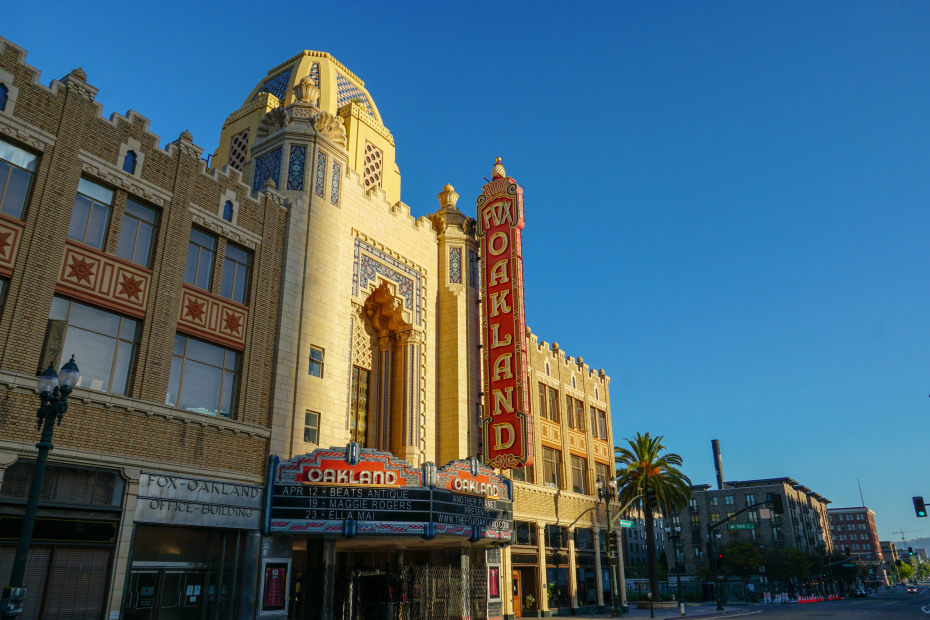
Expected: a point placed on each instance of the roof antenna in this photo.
(860, 492)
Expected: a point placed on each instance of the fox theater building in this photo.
(332, 408)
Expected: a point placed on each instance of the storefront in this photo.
(360, 534)
(73, 543)
(195, 549)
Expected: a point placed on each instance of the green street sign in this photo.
(741, 526)
(625, 523)
(848, 565)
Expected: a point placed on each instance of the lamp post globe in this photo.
(53, 389)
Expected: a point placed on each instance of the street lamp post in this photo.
(713, 560)
(674, 534)
(607, 490)
(54, 389)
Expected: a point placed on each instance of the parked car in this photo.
(858, 593)
(912, 589)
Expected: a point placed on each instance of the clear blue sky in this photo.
(726, 202)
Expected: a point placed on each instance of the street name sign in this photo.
(741, 526)
(625, 523)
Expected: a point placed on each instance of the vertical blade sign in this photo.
(508, 426)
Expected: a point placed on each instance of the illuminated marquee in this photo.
(508, 426)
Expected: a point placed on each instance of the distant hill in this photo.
(917, 543)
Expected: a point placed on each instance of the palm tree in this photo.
(643, 467)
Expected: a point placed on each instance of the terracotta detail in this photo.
(11, 231)
(102, 279)
(211, 317)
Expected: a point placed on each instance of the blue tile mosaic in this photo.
(295, 167)
(334, 190)
(276, 85)
(268, 166)
(369, 262)
(347, 91)
(455, 265)
(320, 174)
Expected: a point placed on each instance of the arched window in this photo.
(595, 394)
(228, 211)
(573, 383)
(4, 95)
(129, 162)
(547, 369)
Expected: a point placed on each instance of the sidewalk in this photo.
(692, 610)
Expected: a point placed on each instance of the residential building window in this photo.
(776, 533)
(103, 342)
(316, 362)
(693, 504)
(750, 499)
(91, 213)
(699, 552)
(136, 233)
(200, 251)
(579, 475)
(714, 501)
(129, 162)
(696, 520)
(17, 168)
(228, 211)
(753, 516)
(602, 424)
(358, 405)
(311, 427)
(203, 377)
(696, 537)
(523, 474)
(728, 500)
(552, 467)
(235, 284)
(593, 422)
(714, 517)
(548, 402)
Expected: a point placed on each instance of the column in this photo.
(542, 601)
(572, 572)
(386, 391)
(597, 566)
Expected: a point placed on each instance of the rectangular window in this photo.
(579, 475)
(693, 504)
(525, 533)
(200, 251)
(137, 234)
(776, 533)
(602, 424)
(523, 474)
(316, 362)
(728, 500)
(602, 473)
(91, 214)
(753, 516)
(17, 168)
(594, 432)
(103, 344)
(553, 405)
(579, 415)
(311, 427)
(235, 283)
(714, 501)
(574, 409)
(714, 517)
(203, 377)
(543, 399)
(750, 499)
(556, 536)
(358, 405)
(552, 467)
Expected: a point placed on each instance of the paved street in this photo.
(894, 603)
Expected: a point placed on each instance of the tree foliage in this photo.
(742, 559)
(644, 465)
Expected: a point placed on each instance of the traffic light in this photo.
(910, 550)
(611, 543)
(919, 507)
(650, 498)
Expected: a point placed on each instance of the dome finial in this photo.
(498, 172)
(448, 197)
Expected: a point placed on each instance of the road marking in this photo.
(925, 609)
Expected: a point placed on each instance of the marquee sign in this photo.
(351, 491)
(508, 426)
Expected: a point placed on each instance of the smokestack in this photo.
(718, 463)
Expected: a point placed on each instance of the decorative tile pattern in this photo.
(320, 174)
(373, 158)
(239, 149)
(315, 73)
(334, 189)
(105, 280)
(371, 262)
(551, 433)
(276, 85)
(601, 450)
(361, 345)
(455, 265)
(268, 166)
(212, 317)
(347, 91)
(11, 231)
(295, 167)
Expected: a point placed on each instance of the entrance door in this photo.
(517, 593)
(166, 595)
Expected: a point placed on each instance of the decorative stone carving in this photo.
(331, 127)
(306, 91)
(212, 317)
(274, 121)
(77, 81)
(221, 227)
(97, 277)
(385, 310)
